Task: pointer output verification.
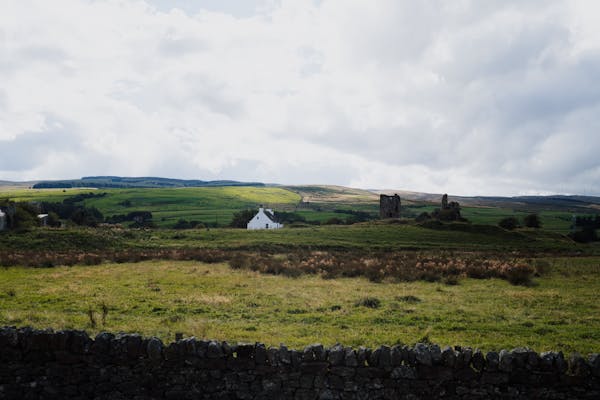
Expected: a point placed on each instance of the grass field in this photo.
(212, 301)
(216, 205)
(559, 312)
(361, 237)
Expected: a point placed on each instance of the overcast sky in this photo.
(465, 97)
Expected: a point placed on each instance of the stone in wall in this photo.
(43, 364)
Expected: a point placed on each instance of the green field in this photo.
(559, 311)
(363, 237)
(212, 205)
(215, 206)
(212, 301)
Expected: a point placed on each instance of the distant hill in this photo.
(136, 182)
(572, 203)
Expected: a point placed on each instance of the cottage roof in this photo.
(270, 215)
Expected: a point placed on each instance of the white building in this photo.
(2, 221)
(264, 219)
(43, 219)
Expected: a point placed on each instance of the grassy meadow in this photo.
(372, 236)
(216, 205)
(173, 294)
(161, 298)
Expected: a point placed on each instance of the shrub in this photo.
(241, 218)
(369, 302)
(509, 223)
(424, 216)
(541, 267)
(451, 280)
(239, 262)
(334, 221)
(585, 235)
(519, 274)
(532, 221)
(408, 299)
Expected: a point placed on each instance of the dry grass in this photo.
(214, 301)
(401, 266)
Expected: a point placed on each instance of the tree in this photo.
(585, 235)
(241, 218)
(288, 217)
(87, 216)
(509, 223)
(424, 216)
(53, 219)
(532, 221)
(25, 217)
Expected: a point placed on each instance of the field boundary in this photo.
(69, 364)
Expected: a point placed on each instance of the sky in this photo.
(464, 97)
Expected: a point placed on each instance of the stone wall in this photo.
(69, 365)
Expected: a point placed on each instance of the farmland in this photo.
(214, 206)
(232, 284)
(213, 301)
(371, 236)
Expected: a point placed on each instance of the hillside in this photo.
(571, 203)
(135, 182)
(215, 205)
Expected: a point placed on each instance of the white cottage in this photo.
(264, 219)
(43, 219)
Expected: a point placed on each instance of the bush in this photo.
(369, 302)
(239, 261)
(542, 267)
(532, 221)
(241, 218)
(424, 216)
(509, 223)
(585, 235)
(182, 224)
(519, 274)
(408, 299)
(53, 219)
(25, 217)
(451, 280)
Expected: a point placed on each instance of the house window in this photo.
(267, 226)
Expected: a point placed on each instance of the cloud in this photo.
(464, 97)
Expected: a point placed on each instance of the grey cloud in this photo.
(179, 47)
(237, 8)
(499, 92)
(30, 149)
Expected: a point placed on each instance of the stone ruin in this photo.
(450, 211)
(389, 206)
(453, 205)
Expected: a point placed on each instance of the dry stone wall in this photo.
(37, 364)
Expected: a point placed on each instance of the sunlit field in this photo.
(559, 311)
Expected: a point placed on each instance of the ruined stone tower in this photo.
(444, 201)
(389, 206)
